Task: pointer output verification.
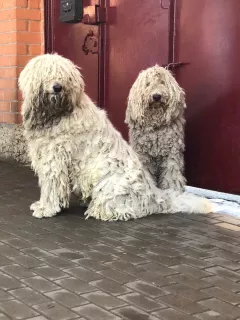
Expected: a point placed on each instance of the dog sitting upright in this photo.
(155, 116)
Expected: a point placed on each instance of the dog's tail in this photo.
(186, 203)
(13, 146)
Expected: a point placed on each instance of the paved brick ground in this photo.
(162, 267)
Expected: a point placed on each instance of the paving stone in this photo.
(37, 252)
(27, 261)
(18, 271)
(191, 271)
(182, 304)
(66, 298)
(75, 285)
(7, 282)
(146, 289)
(29, 296)
(103, 300)
(117, 275)
(3, 317)
(211, 315)
(225, 273)
(110, 286)
(40, 284)
(83, 274)
(59, 263)
(191, 282)
(142, 302)
(172, 314)
(50, 273)
(4, 261)
(93, 312)
(55, 311)
(187, 292)
(221, 307)
(17, 310)
(38, 318)
(18, 243)
(224, 295)
(133, 313)
(223, 283)
(5, 296)
(8, 251)
(226, 263)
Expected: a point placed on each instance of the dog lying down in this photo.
(72, 143)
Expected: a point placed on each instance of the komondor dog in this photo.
(155, 117)
(13, 147)
(73, 145)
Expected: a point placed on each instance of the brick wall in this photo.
(21, 38)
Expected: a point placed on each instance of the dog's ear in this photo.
(134, 110)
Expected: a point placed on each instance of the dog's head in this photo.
(51, 87)
(156, 93)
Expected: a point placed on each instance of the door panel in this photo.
(68, 40)
(208, 35)
(137, 38)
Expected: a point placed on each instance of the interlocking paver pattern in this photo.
(176, 267)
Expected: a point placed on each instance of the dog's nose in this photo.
(57, 87)
(157, 97)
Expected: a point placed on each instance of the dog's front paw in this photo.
(34, 205)
(40, 212)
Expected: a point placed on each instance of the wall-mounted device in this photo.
(71, 11)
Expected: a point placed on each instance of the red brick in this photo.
(10, 117)
(10, 49)
(34, 4)
(4, 106)
(29, 38)
(7, 4)
(8, 83)
(28, 14)
(35, 49)
(22, 25)
(34, 26)
(22, 3)
(7, 14)
(8, 95)
(19, 95)
(19, 70)
(8, 72)
(8, 61)
(10, 37)
(1, 117)
(22, 60)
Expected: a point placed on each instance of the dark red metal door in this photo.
(208, 35)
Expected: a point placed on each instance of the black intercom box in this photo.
(71, 10)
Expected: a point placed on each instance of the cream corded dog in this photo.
(73, 145)
(155, 116)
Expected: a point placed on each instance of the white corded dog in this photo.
(155, 117)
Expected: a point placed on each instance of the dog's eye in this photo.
(147, 84)
(162, 82)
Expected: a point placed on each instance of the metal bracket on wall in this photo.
(94, 15)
